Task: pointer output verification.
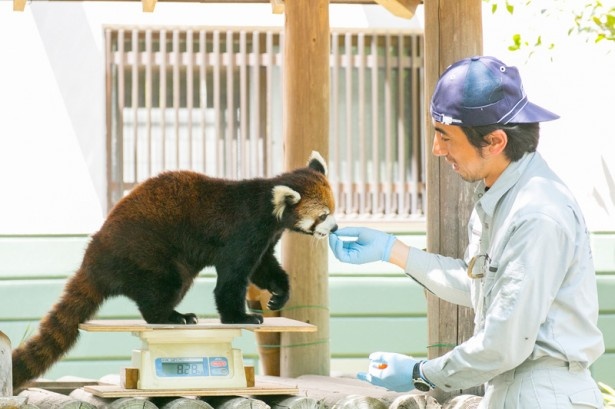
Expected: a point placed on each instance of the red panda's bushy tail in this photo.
(58, 330)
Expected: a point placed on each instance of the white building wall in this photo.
(48, 175)
(574, 80)
(52, 129)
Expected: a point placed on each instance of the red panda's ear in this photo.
(317, 163)
(282, 197)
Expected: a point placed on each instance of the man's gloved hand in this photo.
(390, 370)
(370, 245)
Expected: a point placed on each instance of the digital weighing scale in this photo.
(180, 359)
(197, 357)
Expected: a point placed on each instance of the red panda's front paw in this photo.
(179, 318)
(277, 301)
(191, 318)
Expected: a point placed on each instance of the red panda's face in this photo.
(315, 211)
(311, 201)
(312, 209)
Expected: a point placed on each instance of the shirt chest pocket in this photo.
(491, 277)
(501, 288)
(484, 288)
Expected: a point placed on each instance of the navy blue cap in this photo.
(483, 91)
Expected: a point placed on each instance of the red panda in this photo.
(158, 238)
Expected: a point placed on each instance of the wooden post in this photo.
(293, 402)
(185, 403)
(148, 5)
(268, 342)
(19, 5)
(6, 365)
(130, 378)
(235, 402)
(277, 6)
(43, 398)
(306, 128)
(453, 30)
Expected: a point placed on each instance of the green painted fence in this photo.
(373, 307)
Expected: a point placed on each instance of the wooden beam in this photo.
(6, 373)
(148, 5)
(400, 8)
(453, 30)
(277, 6)
(233, 1)
(305, 129)
(19, 5)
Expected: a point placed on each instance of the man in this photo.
(527, 272)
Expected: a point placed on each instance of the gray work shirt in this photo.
(538, 295)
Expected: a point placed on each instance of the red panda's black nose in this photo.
(333, 229)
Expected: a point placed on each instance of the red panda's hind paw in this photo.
(244, 319)
(255, 319)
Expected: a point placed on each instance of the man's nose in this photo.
(438, 148)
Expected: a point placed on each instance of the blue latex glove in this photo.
(390, 370)
(369, 245)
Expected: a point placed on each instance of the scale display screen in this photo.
(192, 367)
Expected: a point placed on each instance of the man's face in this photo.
(451, 143)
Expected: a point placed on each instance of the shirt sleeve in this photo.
(517, 297)
(446, 277)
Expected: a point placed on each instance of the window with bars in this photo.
(211, 100)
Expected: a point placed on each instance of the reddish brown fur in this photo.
(158, 238)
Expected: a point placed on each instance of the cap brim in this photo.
(532, 113)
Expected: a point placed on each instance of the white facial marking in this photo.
(305, 224)
(323, 229)
(281, 196)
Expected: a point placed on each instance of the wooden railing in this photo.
(210, 99)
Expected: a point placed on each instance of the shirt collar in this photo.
(490, 198)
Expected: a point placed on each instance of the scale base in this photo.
(261, 388)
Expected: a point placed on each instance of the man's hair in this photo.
(522, 138)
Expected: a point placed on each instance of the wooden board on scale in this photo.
(270, 324)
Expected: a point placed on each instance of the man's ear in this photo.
(498, 140)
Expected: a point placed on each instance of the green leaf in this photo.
(516, 45)
(510, 8)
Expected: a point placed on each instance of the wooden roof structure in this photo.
(401, 8)
(453, 30)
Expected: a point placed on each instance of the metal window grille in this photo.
(210, 100)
